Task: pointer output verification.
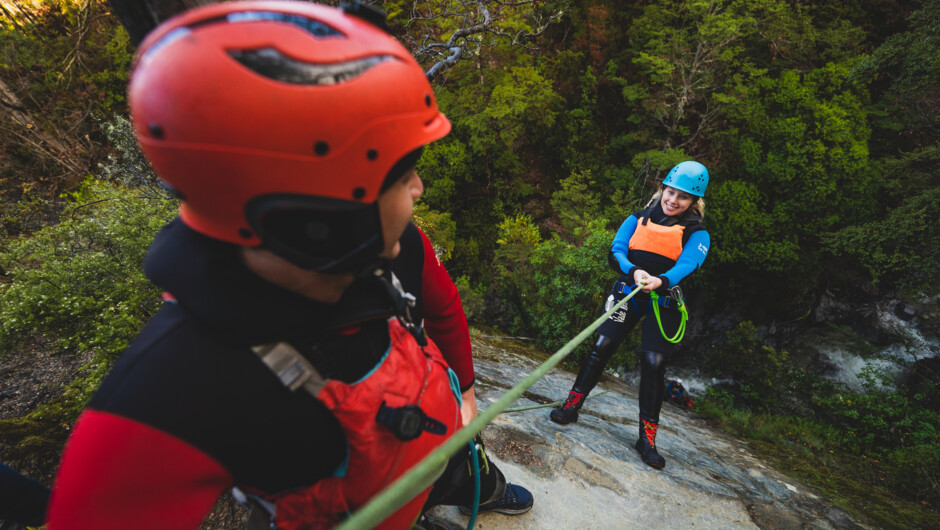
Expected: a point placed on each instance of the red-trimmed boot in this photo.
(569, 410)
(646, 445)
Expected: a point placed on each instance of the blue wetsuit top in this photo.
(695, 245)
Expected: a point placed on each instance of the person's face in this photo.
(396, 206)
(675, 202)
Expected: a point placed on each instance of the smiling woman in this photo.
(655, 248)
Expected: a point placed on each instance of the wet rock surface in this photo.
(587, 474)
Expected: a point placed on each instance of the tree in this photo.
(686, 54)
(438, 32)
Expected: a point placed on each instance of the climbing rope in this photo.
(423, 474)
(685, 318)
(552, 404)
(476, 485)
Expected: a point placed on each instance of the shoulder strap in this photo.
(290, 367)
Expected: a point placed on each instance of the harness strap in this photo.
(290, 367)
(624, 287)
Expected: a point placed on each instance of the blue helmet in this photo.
(689, 176)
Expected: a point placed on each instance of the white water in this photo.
(846, 367)
(911, 346)
(693, 380)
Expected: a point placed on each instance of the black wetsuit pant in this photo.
(455, 487)
(654, 348)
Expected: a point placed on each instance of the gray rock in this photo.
(587, 474)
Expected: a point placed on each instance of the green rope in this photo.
(685, 318)
(552, 404)
(423, 474)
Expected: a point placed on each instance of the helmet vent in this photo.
(311, 26)
(273, 64)
(314, 27)
(155, 130)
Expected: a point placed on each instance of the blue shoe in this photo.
(515, 500)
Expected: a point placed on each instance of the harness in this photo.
(675, 296)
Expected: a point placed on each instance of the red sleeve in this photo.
(118, 473)
(444, 318)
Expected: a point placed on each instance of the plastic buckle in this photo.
(408, 422)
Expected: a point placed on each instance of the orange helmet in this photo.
(277, 123)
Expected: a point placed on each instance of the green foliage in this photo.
(755, 368)
(570, 283)
(800, 167)
(686, 54)
(884, 423)
(80, 281)
(439, 227)
(60, 63)
(910, 63)
(802, 142)
(905, 245)
(518, 240)
(880, 420)
(519, 111)
(575, 197)
(814, 451)
(738, 211)
(443, 167)
(556, 287)
(70, 53)
(472, 298)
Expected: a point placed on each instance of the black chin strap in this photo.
(377, 294)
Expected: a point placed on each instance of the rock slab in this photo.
(588, 475)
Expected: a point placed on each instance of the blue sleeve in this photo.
(692, 257)
(621, 245)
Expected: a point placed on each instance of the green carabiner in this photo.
(685, 317)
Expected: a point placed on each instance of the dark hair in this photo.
(401, 168)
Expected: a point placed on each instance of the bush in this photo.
(472, 298)
(905, 245)
(760, 372)
(81, 281)
(557, 287)
(916, 472)
(880, 420)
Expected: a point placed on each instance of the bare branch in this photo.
(438, 67)
(477, 25)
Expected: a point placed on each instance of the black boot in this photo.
(646, 444)
(569, 411)
(588, 376)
